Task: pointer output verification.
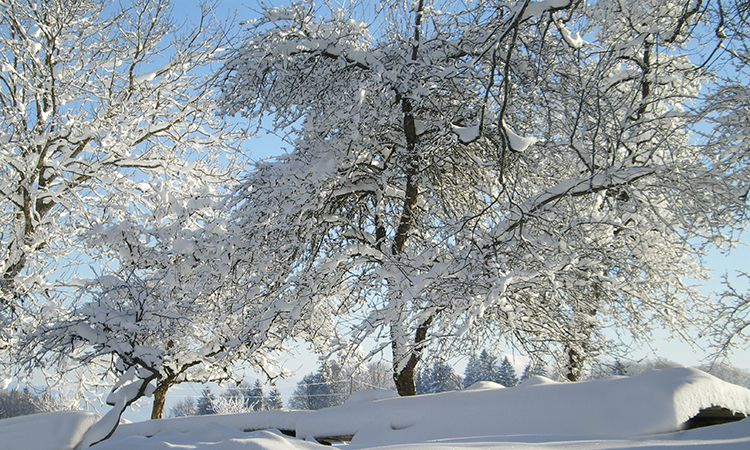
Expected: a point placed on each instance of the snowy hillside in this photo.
(646, 410)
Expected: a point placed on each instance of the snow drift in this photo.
(61, 430)
(649, 403)
(611, 409)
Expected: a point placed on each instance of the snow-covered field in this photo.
(644, 412)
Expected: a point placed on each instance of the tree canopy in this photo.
(524, 170)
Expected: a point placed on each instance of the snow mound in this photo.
(617, 412)
(263, 420)
(536, 381)
(650, 403)
(370, 396)
(210, 436)
(61, 430)
(482, 385)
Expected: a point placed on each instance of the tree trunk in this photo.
(404, 378)
(160, 395)
(575, 365)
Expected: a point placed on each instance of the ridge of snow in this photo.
(280, 420)
(608, 413)
(370, 396)
(60, 430)
(650, 403)
(483, 385)
(536, 380)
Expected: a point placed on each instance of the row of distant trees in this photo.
(332, 384)
(240, 398)
(23, 402)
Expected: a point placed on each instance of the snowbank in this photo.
(60, 430)
(653, 402)
(209, 436)
(264, 420)
(612, 413)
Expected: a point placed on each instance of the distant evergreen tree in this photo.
(333, 383)
(235, 398)
(205, 404)
(273, 401)
(256, 398)
(619, 369)
(423, 381)
(183, 408)
(17, 403)
(488, 369)
(471, 373)
(446, 379)
(375, 375)
(481, 368)
(532, 369)
(507, 374)
(439, 378)
(326, 388)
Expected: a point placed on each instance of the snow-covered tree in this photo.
(183, 408)
(274, 401)
(472, 371)
(726, 117)
(440, 377)
(95, 98)
(256, 397)
(373, 375)
(533, 368)
(506, 373)
(101, 103)
(205, 404)
(166, 306)
(619, 369)
(329, 386)
(474, 172)
(124, 142)
(481, 368)
(17, 403)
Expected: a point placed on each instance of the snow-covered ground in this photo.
(644, 412)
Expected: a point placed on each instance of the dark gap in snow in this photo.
(334, 440)
(715, 415)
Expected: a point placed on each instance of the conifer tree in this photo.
(471, 373)
(489, 370)
(256, 397)
(534, 368)
(206, 403)
(439, 378)
(325, 388)
(274, 401)
(507, 374)
(619, 369)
